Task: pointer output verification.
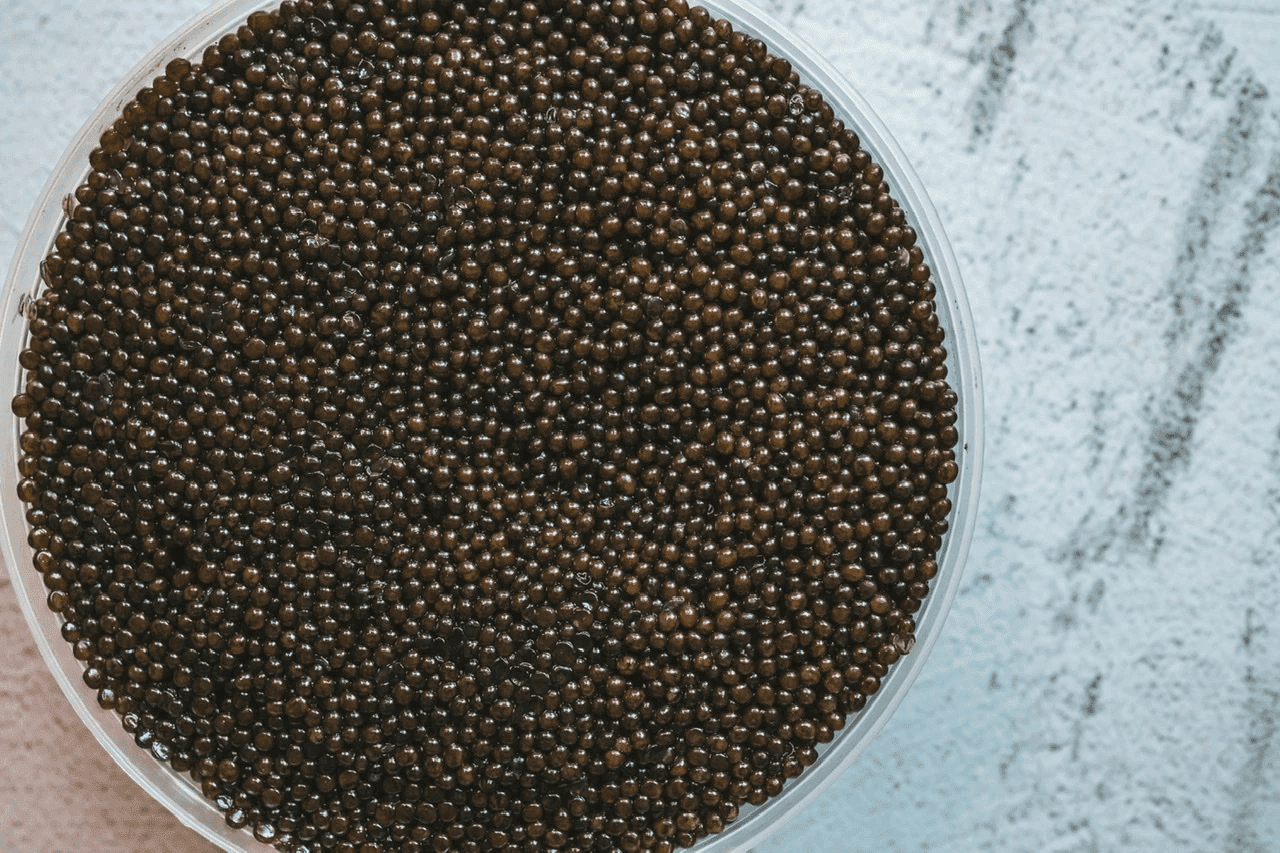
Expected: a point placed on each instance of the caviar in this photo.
(485, 426)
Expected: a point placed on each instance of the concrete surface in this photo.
(1109, 679)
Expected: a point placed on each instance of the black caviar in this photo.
(485, 426)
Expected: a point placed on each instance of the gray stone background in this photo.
(1109, 679)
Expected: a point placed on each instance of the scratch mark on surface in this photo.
(1251, 628)
(1091, 696)
(1229, 158)
(988, 99)
(1260, 706)
(1175, 414)
(1096, 592)
(1208, 293)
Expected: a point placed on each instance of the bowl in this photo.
(178, 793)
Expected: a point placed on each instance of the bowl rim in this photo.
(177, 792)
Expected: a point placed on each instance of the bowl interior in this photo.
(177, 792)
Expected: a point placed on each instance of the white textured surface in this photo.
(1110, 676)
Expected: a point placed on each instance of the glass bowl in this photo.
(177, 792)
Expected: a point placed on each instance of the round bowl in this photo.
(177, 792)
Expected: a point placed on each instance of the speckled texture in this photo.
(1109, 679)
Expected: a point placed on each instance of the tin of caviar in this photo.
(64, 654)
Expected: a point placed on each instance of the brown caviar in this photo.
(485, 426)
